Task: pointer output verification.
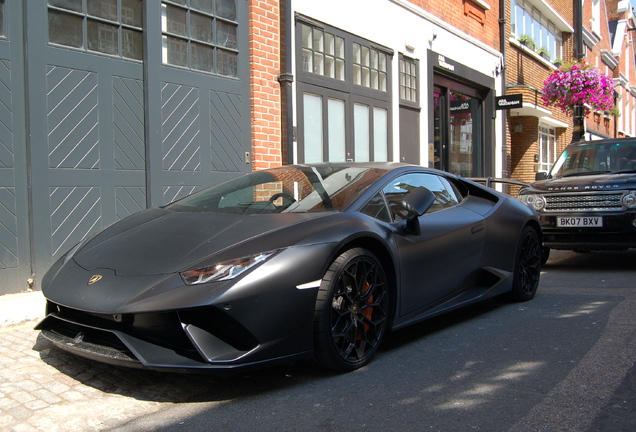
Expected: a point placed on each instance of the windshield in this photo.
(291, 189)
(595, 159)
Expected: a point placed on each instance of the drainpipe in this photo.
(286, 80)
(578, 130)
(503, 44)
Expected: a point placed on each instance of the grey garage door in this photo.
(106, 123)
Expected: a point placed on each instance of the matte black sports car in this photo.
(293, 262)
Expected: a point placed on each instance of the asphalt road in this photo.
(562, 362)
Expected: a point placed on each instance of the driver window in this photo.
(396, 190)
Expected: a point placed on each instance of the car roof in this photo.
(601, 142)
(388, 166)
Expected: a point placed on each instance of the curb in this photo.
(21, 307)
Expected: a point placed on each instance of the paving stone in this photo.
(22, 397)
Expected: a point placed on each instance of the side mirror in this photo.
(416, 203)
(541, 176)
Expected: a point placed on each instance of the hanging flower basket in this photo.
(579, 84)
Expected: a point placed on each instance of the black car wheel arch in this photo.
(352, 311)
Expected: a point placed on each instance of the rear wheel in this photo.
(351, 311)
(527, 266)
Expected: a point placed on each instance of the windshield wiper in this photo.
(627, 171)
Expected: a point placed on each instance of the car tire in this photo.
(527, 268)
(352, 311)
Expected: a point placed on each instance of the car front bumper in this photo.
(618, 232)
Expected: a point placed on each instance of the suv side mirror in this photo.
(541, 176)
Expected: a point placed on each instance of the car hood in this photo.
(159, 241)
(589, 183)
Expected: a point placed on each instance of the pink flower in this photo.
(579, 84)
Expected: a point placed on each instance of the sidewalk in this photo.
(21, 307)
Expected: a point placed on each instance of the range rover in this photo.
(587, 201)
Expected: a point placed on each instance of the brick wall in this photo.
(469, 16)
(264, 86)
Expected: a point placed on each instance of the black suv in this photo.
(588, 199)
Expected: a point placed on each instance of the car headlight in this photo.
(535, 201)
(223, 271)
(629, 199)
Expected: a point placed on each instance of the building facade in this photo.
(113, 106)
(543, 35)
(406, 81)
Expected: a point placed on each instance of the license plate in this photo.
(578, 222)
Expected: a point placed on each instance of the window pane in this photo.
(307, 36)
(202, 5)
(312, 123)
(365, 56)
(65, 29)
(336, 130)
(200, 27)
(228, 63)
(330, 67)
(361, 132)
(132, 44)
(103, 37)
(202, 57)
(106, 9)
(131, 13)
(226, 9)
(319, 65)
(175, 20)
(175, 51)
(356, 53)
(318, 40)
(2, 18)
(226, 35)
(340, 70)
(308, 60)
(329, 44)
(380, 135)
(340, 47)
(74, 5)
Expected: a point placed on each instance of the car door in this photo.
(442, 259)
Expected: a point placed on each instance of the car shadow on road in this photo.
(591, 261)
(416, 332)
(172, 387)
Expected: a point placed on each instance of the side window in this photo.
(445, 195)
(376, 208)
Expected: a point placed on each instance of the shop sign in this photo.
(509, 101)
(441, 62)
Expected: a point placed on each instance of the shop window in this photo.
(547, 148)
(201, 35)
(458, 134)
(112, 27)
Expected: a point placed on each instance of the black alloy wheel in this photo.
(351, 311)
(527, 266)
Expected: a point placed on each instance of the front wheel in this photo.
(527, 266)
(352, 311)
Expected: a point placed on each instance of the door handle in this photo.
(477, 228)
